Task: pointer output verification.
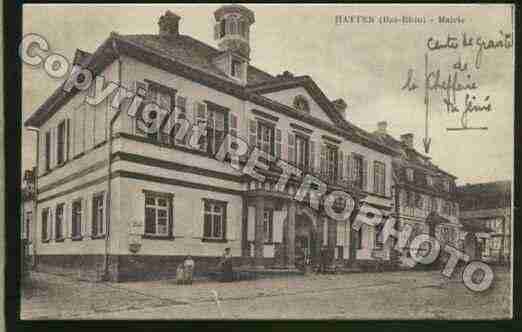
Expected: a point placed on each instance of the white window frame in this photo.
(157, 207)
(222, 219)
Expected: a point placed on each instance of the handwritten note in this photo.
(457, 84)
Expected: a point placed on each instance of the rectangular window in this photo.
(59, 222)
(434, 205)
(47, 150)
(236, 69)
(379, 180)
(45, 224)
(265, 137)
(214, 223)
(301, 152)
(268, 225)
(158, 214)
(331, 162)
(217, 124)
(419, 201)
(163, 97)
(60, 148)
(98, 216)
(76, 219)
(358, 170)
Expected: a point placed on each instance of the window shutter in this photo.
(325, 232)
(312, 156)
(291, 148)
(93, 214)
(68, 138)
(365, 171)
(50, 224)
(251, 223)
(200, 115)
(348, 168)
(224, 224)
(252, 130)
(340, 158)
(323, 160)
(51, 148)
(233, 124)
(278, 138)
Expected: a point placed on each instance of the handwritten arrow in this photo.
(426, 140)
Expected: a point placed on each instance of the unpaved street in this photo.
(411, 295)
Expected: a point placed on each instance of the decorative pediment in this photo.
(302, 94)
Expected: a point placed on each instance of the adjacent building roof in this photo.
(410, 156)
(488, 188)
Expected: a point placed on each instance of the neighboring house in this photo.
(486, 211)
(131, 205)
(425, 194)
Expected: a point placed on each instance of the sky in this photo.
(366, 64)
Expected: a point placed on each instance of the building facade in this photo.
(487, 206)
(117, 201)
(425, 195)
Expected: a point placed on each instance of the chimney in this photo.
(169, 24)
(340, 106)
(407, 139)
(381, 127)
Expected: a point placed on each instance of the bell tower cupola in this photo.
(232, 29)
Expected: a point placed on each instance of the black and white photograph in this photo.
(267, 161)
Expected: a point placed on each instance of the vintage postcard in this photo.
(261, 161)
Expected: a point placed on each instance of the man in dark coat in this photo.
(226, 266)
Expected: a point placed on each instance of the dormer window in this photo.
(236, 70)
(301, 103)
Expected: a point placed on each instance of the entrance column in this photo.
(290, 235)
(259, 236)
(332, 239)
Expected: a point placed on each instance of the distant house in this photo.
(424, 193)
(132, 204)
(486, 211)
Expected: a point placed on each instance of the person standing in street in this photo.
(226, 266)
(188, 269)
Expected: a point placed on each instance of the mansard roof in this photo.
(193, 59)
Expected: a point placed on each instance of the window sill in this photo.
(59, 240)
(99, 236)
(45, 241)
(77, 238)
(214, 240)
(157, 237)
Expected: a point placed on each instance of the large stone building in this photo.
(117, 201)
(425, 196)
(486, 211)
